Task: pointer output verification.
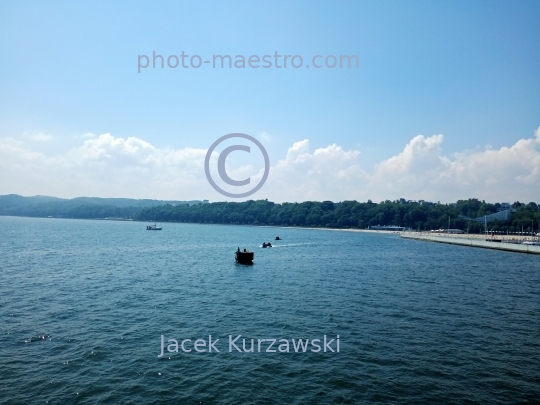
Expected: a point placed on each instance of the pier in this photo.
(472, 240)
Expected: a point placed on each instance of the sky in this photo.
(443, 105)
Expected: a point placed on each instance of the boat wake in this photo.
(290, 245)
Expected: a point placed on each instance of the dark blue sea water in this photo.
(83, 305)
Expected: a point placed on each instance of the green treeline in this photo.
(348, 214)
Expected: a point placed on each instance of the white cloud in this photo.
(38, 136)
(420, 171)
(320, 175)
(131, 167)
(103, 166)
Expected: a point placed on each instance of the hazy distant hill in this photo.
(80, 207)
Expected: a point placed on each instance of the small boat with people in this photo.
(266, 245)
(278, 238)
(244, 256)
(153, 227)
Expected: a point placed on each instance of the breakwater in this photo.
(471, 241)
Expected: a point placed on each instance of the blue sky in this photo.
(464, 69)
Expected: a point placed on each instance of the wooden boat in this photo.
(244, 256)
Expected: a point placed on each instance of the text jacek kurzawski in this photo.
(250, 345)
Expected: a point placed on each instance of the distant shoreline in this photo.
(346, 216)
(206, 223)
(514, 237)
(328, 229)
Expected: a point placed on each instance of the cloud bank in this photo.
(109, 166)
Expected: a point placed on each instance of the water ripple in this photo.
(83, 305)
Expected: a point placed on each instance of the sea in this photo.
(86, 304)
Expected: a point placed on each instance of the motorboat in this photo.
(153, 227)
